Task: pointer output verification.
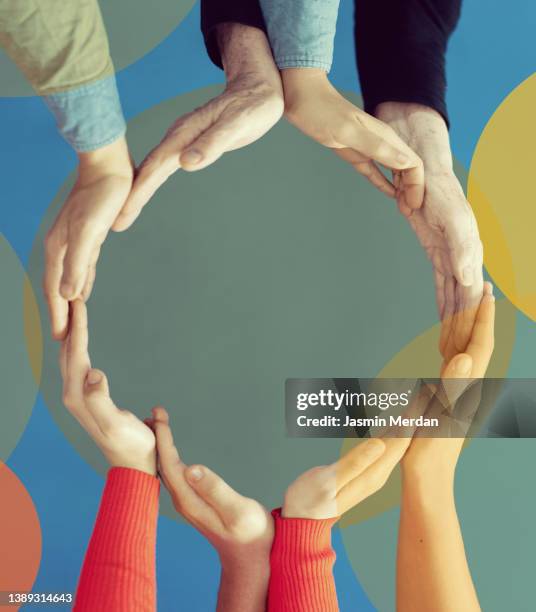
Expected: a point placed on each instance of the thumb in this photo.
(215, 491)
(459, 366)
(210, 146)
(455, 377)
(96, 384)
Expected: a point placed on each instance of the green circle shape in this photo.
(277, 261)
(19, 385)
(134, 28)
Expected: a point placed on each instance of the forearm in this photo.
(119, 571)
(215, 13)
(245, 52)
(301, 32)
(244, 584)
(432, 569)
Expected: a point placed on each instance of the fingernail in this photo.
(195, 474)
(66, 290)
(463, 365)
(192, 156)
(468, 275)
(94, 377)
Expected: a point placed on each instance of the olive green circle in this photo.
(134, 28)
(19, 384)
(278, 261)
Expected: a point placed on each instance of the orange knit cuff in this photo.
(119, 568)
(301, 563)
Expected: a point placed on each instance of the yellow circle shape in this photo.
(501, 192)
(421, 359)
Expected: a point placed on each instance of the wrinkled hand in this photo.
(316, 108)
(73, 244)
(238, 527)
(123, 439)
(445, 224)
(243, 113)
(434, 456)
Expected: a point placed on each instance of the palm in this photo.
(432, 223)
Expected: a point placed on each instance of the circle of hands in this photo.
(109, 194)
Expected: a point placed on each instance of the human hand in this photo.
(73, 244)
(329, 491)
(250, 105)
(239, 528)
(316, 108)
(435, 457)
(445, 224)
(123, 439)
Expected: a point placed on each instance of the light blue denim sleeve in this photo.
(301, 32)
(89, 116)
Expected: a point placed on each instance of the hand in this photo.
(123, 439)
(72, 245)
(445, 224)
(316, 108)
(434, 457)
(329, 491)
(250, 105)
(239, 528)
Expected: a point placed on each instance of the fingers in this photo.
(459, 366)
(455, 377)
(154, 171)
(77, 261)
(168, 455)
(215, 492)
(374, 477)
(357, 460)
(481, 344)
(77, 361)
(380, 143)
(186, 500)
(58, 306)
(412, 185)
(160, 164)
(97, 398)
(368, 169)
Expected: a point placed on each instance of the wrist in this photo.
(298, 80)
(251, 565)
(246, 53)
(423, 129)
(148, 465)
(113, 159)
(434, 479)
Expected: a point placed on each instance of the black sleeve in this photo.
(214, 12)
(401, 47)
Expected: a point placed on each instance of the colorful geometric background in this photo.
(313, 274)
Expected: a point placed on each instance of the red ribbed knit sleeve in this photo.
(301, 565)
(119, 571)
